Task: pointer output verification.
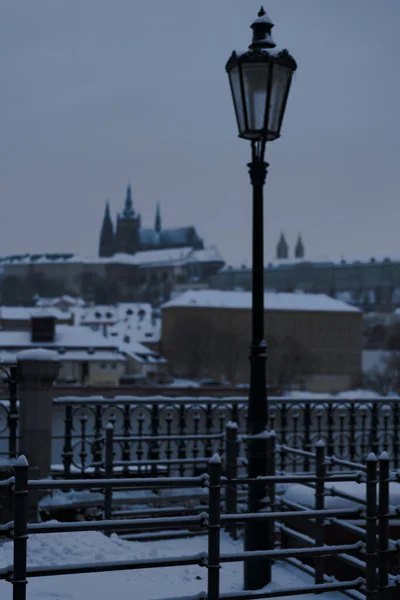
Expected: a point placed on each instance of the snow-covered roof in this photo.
(272, 301)
(65, 336)
(210, 254)
(264, 18)
(99, 355)
(160, 257)
(25, 313)
(169, 237)
(8, 358)
(54, 302)
(144, 258)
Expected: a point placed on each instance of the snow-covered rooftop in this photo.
(25, 313)
(55, 302)
(263, 18)
(272, 301)
(145, 258)
(65, 336)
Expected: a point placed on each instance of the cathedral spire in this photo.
(107, 240)
(299, 250)
(128, 207)
(282, 249)
(157, 221)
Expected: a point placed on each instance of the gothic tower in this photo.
(107, 240)
(282, 249)
(299, 250)
(157, 220)
(128, 227)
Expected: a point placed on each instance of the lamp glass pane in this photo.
(280, 82)
(234, 79)
(255, 80)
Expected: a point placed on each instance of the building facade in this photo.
(206, 334)
(371, 285)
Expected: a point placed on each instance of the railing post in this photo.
(307, 435)
(320, 505)
(231, 473)
(283, 436)
(154, 447)
(37, 370)
(384, 509)
(96, 445)
(20, 536)
(374, 442)
(271, 467)
(67, 453)
(214, 501)
(330, 424)
(257, 533)
(13, 413)
(371, 548)
(353, 426)
(108, 464)
(395, 434)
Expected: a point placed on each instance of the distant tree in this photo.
(375, 338)
(193, 347)
(230, 350)
(12, 291)
(288, 362)
(393, 337)
(385, 378)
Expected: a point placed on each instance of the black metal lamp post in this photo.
(260, 81)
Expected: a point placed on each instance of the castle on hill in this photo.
(129, 237)
(134, 264)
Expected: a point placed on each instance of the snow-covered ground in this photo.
(72, 548)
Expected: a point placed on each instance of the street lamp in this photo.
(260, 80)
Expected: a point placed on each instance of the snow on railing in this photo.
(369, 554)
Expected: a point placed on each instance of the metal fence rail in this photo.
(349, 427)
(9, 414)
(372, 550)
(157, 427)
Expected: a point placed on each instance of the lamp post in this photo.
(260, 80)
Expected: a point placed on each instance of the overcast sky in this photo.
(96, 93)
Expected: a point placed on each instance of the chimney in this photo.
(43, 329)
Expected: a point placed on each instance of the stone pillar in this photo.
(37, 371)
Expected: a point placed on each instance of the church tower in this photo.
(157, 220)
(282, 249)
(299, 251)
(107, 240)
(128, 227)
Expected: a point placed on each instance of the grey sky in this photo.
(94, 93)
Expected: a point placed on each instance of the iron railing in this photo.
(159, 428)
(369, 554)
(9, 415)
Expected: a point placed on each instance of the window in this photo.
(113, 366)
(102, 366)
